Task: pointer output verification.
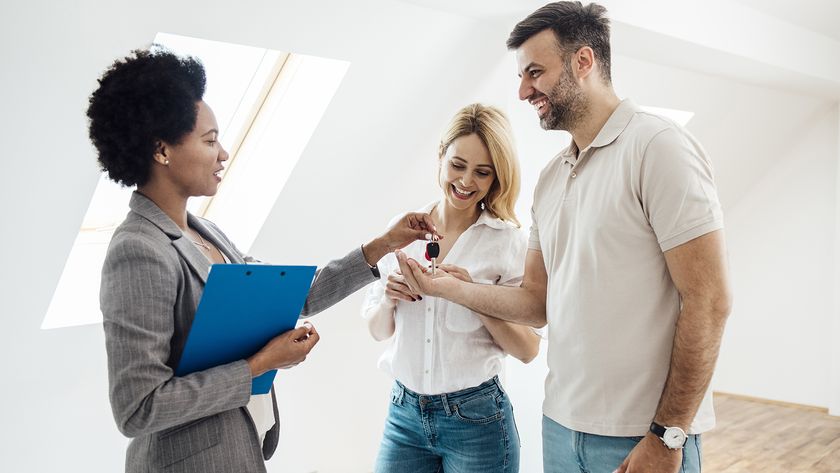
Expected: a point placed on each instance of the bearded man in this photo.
(626, 262)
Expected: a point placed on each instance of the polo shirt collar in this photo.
(611, 130)
(617, 122)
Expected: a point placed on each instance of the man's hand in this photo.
(413, 226)
(285, 350)
(651, 456)
(456, 271)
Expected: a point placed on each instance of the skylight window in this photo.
(267, 104)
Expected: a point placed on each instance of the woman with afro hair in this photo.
(152, 129)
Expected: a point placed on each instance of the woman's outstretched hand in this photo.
(412, 226)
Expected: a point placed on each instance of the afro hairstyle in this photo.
(145, 98)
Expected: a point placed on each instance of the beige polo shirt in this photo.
(602, 219)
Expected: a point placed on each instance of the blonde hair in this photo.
(491, 125)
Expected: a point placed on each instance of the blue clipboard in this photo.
(242, 308)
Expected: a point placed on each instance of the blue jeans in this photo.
(468, 431)
(568, 451)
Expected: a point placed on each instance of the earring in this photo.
(482, 205)
(166, 162)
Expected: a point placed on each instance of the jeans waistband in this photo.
(401, 394)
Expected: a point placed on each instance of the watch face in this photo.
(674, 437)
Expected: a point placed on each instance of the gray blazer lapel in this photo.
(192, 255)
(144, 206)
(209, 233)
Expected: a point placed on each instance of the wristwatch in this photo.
(673, 437)
(374, 269)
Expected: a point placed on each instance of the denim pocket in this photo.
(396, 395)
(479, 410)
(699, 444)
(692, 455)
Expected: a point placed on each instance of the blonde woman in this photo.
(448, 409)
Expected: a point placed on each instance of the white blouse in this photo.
(439, 346)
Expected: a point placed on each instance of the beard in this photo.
(567, 104)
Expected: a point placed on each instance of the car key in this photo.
(432, 252)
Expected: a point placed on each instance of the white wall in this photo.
(834, 402)
(779, 339)
(775, 157)
(371, 157)
(778, 344)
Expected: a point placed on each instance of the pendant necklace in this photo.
(201, 242)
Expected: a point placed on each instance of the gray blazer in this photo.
(152, 281)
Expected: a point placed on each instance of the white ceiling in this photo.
(483, 9)
(819, 16)
(790, 45)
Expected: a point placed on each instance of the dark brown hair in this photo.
(574, 26)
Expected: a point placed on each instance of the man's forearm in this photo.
(696, 348)
(522, 305)
(519, 341)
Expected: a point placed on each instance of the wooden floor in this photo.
(755, 436)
